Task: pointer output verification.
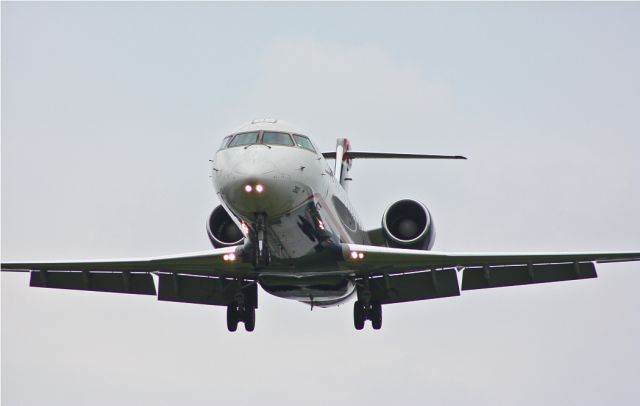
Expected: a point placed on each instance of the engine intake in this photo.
(222, 231)
(407, 224)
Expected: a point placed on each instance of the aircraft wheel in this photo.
(358, 315)
(232, 317)
(249, 318)
(376, 315)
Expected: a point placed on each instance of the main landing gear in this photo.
(242, 306)
(245, 314)
(366, 307)
(363, 311)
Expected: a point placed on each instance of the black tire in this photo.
(358, 315)
(249, 318)
(376, 315)
(232, 318)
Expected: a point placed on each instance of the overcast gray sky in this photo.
(110, 112)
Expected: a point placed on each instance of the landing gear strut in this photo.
(261, 253)
(367, 311)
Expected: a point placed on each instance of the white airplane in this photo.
(286, 224)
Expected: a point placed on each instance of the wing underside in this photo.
(203, 278)
(388, 275)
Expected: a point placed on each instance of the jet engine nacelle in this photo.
(223, 232)
(408, 224)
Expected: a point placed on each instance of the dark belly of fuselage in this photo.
(315, 290)
(306, 246)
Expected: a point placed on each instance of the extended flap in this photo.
(115, 282)
(205, 290)
(413, 286)
(500, 276)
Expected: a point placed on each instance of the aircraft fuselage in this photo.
(306, 214)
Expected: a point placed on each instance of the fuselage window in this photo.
(244, 139)
(225, 141)
(274, 138)
(304, 142)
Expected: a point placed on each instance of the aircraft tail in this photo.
(343, 161)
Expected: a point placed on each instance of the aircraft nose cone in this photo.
(258, 187)
(253, 168)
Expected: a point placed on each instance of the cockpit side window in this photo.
(244, 139)
(304, 142)
(276, 138)
(225, 141)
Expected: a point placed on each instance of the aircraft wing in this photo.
(392, 275)
(399, 275)
(185, 278)
(393, 260)
(208, 263)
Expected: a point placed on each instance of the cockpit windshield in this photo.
(275, 138)
(268, 138)
(244, 139)
(304, 142)
(225, 141)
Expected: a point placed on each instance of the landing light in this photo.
(229, 257)
(356, 256)
(250, 188)
(245, 228)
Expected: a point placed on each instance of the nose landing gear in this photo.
(261, 256)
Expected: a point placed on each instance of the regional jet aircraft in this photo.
(286, 224)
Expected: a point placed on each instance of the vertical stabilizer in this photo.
(343, 162)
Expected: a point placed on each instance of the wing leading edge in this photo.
(208, 263)
(380, 260)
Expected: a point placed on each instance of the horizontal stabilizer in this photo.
(389, 155)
